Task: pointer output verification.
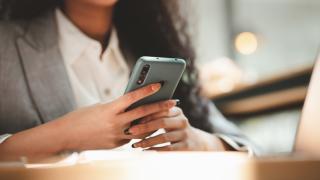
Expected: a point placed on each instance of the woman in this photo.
(58, 56)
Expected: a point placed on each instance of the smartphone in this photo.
(149, 70)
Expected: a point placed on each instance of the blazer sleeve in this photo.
(230, 134)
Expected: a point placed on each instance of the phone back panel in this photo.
(168, 70)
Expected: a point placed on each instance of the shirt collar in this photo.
(73, 42)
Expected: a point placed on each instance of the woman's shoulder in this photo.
(14, 28)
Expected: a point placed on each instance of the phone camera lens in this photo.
(143, 74)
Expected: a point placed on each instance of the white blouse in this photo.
(91, 72)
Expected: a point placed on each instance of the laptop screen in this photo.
(308, 134)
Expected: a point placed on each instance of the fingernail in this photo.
(155, 87)
(161, 82)
(127, 132)
(177, 102)
(136, 145)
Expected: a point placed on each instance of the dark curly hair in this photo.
(145, 27)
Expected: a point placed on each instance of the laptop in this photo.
(308, 133)
(304, 162)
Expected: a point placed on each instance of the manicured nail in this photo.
(177, 102)
(136, 145)
(155, 87)
(127, 132)
(161, 82)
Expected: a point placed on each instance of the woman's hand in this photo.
(179, 133)
(96, 127)
(102, 125)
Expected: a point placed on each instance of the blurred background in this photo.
(255, 59)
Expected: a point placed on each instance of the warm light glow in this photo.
(246, 43)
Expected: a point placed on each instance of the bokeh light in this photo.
(246, 43)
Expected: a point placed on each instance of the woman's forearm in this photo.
(37, 142)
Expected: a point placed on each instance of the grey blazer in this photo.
(34, 85)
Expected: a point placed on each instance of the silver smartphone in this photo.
(149, 70)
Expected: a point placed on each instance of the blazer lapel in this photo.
(44, 69)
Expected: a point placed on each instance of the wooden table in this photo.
(177, 165)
